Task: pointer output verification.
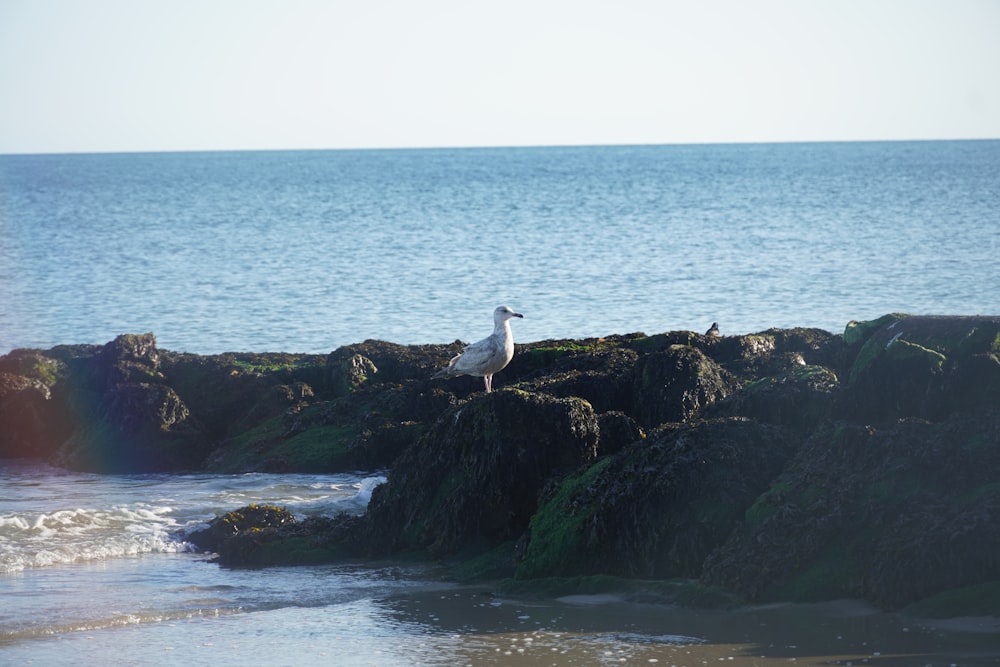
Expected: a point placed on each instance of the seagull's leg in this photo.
(488, 381)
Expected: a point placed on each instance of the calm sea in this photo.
(307, 251)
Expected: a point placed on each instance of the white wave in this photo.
(52, 519)
(358, 503)
(40, 539)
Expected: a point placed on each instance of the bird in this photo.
(488, 356)
(713, 330)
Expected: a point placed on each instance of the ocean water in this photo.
(308, 251)
(96, 570)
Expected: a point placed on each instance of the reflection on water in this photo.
(180, 608)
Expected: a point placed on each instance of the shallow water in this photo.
(182, 610)
(112, 581)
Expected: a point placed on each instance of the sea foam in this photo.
(75, 535)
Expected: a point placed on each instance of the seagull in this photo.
(713, 330)
(489, 355)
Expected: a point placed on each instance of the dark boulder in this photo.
(660, 506)
(347, 373)
(618, 430)
(265, 535)
(600, 374)
(801, 398)
(474, 477)
(248, 519)
(127, 418)
(229, 394)
(674, 384)
(928, 367)
(351, 365)
(889, 514)
(34, 417)
(31, 425)
(262, 535)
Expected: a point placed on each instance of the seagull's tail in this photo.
(448, 370)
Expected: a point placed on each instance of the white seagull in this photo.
(488, 356)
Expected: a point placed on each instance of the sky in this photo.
(178, 75)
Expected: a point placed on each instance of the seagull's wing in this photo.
(478, 357)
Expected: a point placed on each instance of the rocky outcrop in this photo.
(894, 496)
(476, 475)
(128, 419)
(925, 367)
(659, 507)
(790, 464)
(891, 514)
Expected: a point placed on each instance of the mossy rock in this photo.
(475, 476)
(658, 507)
(856, 333)
(394, 363)
(33, 423)
(922, 366)
(801, 398)
(891, 514)
(269, 536)
(233, 392)
(557, 533)
(602, 376)
(276, 446)
(674, 385)
(345, 375)
(251, 518)
(949, 337)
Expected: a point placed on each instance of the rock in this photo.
(129, 358)
(675, 384)
(34, 418)
(392, 362)
(474, 478)
(618, 430)
(660, 506)
(347, 374)
(127, 418)
(598, 373)
(801, 398)
(269, 536)
(29, 423)
(889, 514)
(229, 394)
(927, 367)
(251, 518)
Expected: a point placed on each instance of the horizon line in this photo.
(487, 146)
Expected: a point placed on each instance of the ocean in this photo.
(305, 251)
(308, 251)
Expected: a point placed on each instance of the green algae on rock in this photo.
(474, 477)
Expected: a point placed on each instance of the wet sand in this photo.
(476, 628)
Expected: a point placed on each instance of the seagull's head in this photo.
(504, 313)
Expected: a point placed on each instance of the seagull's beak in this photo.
(518, 315)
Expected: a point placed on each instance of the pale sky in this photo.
(145, 75)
